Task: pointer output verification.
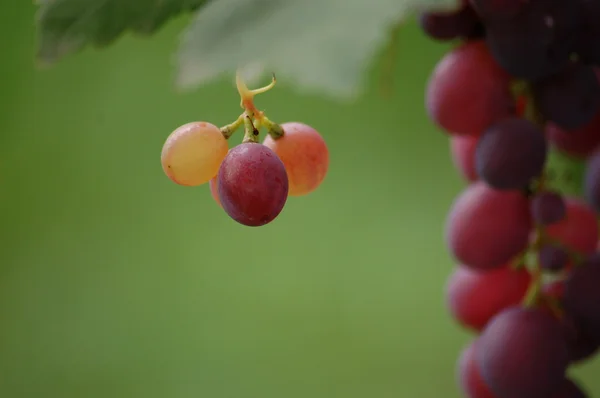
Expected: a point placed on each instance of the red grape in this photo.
(468, 91)
(487, 228)
(548, 207)
(462, 150)
(474, 297)
(523, 353)
(552, 258)
(252, 184)
(592, 181)
(463, 22)
(469, 378)
(582, 296)
(578, 230)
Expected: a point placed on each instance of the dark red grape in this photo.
(588, 47)
(569, 99)
(591, 180)
(463, 22)
(569, 389)
(468, 91)
(486, 228)
(538, 41)
(511, 153)
(548, 207)
(462, 150)
(523, 353)
(582, 296)
(474, 297)
(469, 379)
(498, 10)
(578, 231)
(252, 184)
(552, 258)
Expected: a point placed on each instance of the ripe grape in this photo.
(578, 231)
(468, 375)
(474, 297)
(252, 184)
(523, 353)
(462, 150)
(587, 48)
(192, 154)
(582, 296)
(468, 91)
(552, 258)
(304, 154)
(569, 99)
(581, 142)
(214, 190)
(486, 228)
(497, 10)
(463, 22)
(548, 207)
(539, 41)
(569, 389)
(511, 153)
(592, 181)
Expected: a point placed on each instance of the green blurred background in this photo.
(114, 282)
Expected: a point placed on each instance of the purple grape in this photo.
(451, 25)
(548, 208)
(553, 258)
(569, 389)
(510, 154)
(581, 345)
(581, 298)
(591, 182)
(252, 184)
(523, 353)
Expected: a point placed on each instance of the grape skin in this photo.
(569, 389)
(462, 104)
(552, 258)
(582, 297)
(214, 190)
(591, 180)
(462, 151)
(578, 231)
(486, 228)
(192, 154)
(474, 297)
(569, 99)
(469, 378)
(304, 154)
(442, 26)
(523, 353)
(497, 10)
(252, 184)
(548, 207)
(511, 153)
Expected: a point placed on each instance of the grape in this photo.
(592, 181)
(474, 297)
(539, 41)
(468, 375)
(569, 99)
(511, 153)
(497, 10)
(587, 48)
(462, 150)
(451, 25)
(468, 91)
(252, 184)
(523, 353)
(569, 389)
(214, 190)
(548, 208)
(192, 154)
(486, 228)
(552, 258)
(578, 231)
(582, 296)
(304, 154)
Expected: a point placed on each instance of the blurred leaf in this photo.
(66, 26)
(566, 173)
(318, 45)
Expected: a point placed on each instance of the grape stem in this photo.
(251, 133)
(231, 128)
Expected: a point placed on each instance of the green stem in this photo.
(231, 128)
(251, 133)
(274, 129)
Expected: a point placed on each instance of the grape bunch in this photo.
(523, 80)
(250, 181)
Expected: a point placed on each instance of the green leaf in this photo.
(66, 26)
(317, 45)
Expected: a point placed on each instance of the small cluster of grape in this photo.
(523, 79)
(251, 181)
